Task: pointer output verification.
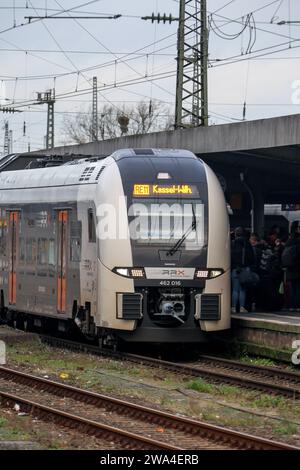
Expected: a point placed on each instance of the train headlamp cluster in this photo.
(139, 273)
(208, 273)
(135, 273)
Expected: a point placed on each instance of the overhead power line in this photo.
(5, 109)
(109, 86)
(114, 17)
(230, 20)
(224, 6)
(72, 51)
(69, 9)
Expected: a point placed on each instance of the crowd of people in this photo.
(265, 273)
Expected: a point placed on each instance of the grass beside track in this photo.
(250, 411)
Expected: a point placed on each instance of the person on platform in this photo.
(291, 261)
(242, 258)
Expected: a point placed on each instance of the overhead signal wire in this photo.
(55, 14)
(224, 6)
(121, 60)
(95, 67)
(230, 20)
(102, 88)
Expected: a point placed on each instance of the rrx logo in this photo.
(173, 272)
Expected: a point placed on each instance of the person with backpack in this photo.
(291, 261)
(253, 294)
(242, 258)
(271, 275)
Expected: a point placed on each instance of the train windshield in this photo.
(167, 221)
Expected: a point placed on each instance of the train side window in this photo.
(22, 253)
(3, 233)
(42, 251)
(2, 242)
(75, 249)
(91, 226)
(51, 253)
(31, 251)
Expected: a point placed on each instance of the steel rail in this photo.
(258, 382)
(193, 428)
(126, 439)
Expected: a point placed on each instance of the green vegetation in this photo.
(216, 403)
(12, 431)
(257, 361)
(269, 401)
(200, 385)
(286, 428)
(229, 390)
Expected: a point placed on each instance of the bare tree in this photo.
(114, 122)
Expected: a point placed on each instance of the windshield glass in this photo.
(166, 221)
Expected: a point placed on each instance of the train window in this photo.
(22, 254)
(31, 251)
(51, 253)
(2, 242)
(3, 233)
(91, 226)
(167, 221)
(75, 249)
(42, 251)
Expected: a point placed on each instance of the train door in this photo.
(14, 220)
(62, 261)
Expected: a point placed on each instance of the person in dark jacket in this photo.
(293, 266)
(271, 276)
(258, 246)
(253, 294)
(242, 258)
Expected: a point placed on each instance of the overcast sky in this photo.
(56, 52)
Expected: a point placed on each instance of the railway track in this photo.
(270, 380)
(129, 425)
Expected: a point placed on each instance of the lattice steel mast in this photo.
(48, 98)
(192, 62)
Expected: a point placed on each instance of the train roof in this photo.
(152, 152)
(82, 170)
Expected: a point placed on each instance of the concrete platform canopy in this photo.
(249, 135)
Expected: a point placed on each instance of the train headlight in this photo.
(122, 271)
(136, 273)
(201, 273)
(215, 273)
(208, 273)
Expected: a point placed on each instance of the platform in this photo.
(268, 334)
(10, 335)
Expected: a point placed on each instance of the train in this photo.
(131, 247)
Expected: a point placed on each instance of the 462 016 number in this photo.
(170, 283)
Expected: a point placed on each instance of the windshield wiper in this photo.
(178, 244)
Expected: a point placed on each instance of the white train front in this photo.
(133, 247)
